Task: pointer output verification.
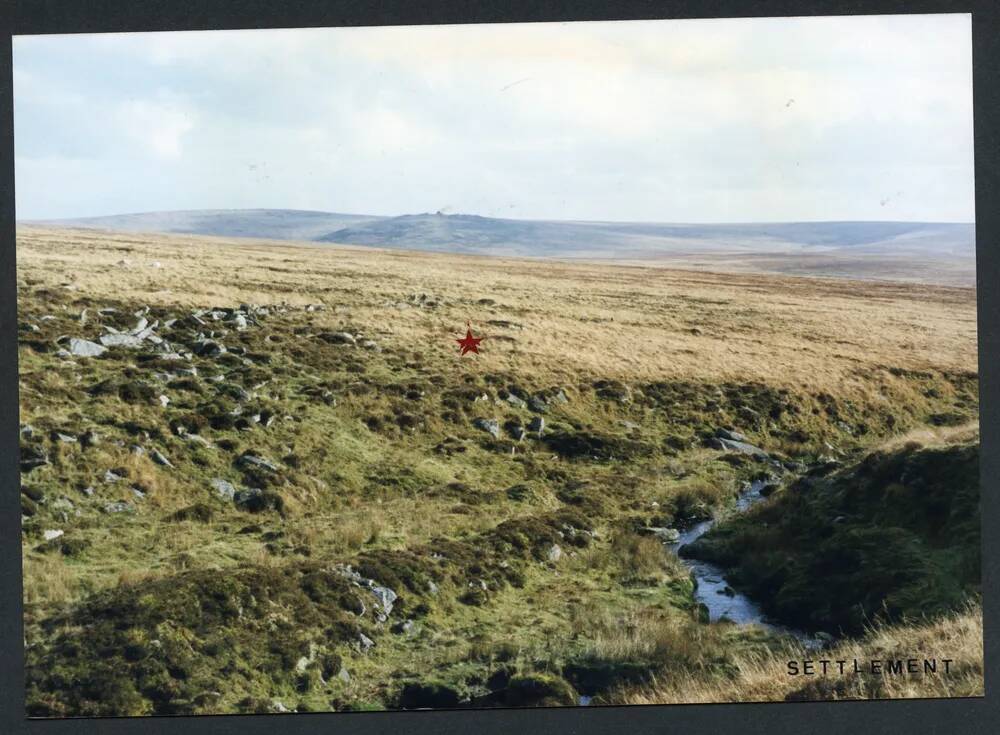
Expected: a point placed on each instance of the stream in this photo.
(721, 600)
(714, 591)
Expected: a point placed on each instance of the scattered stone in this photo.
(730, 435)
(338, 338)
(157, 457)
(110, 476)
(208, 348)
(404, 627)
(516, 430)
(137, 492)
(84, 348)
(32, 457)
(58, 436)
(119, 507)
(255, 500)
(164, 401)
(537, 426)
(250, 460)
(52, 534)
(555, 553)
(730, 445)
(137, 450)
(385, 598)
(27, 431)
(365, 643)
(666, 535)
(129, 341)
(490, 426)
(88, 491)
(224, 489)
(613, 390)
(89, 438)
(515, 401)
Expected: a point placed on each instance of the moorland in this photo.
(258, 477)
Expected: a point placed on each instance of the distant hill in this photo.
(923, 251)
(630, 240)
(270, 224)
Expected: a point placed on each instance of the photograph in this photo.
(498, 365)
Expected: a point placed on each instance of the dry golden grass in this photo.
(934, 436)
(763, 675)
(48, 580)
(629, 322)
(644, 635)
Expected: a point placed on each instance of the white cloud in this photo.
(708, 120)
(158, 124)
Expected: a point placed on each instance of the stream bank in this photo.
(713, 591)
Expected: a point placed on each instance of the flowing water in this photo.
(721, 600)
(714, 591)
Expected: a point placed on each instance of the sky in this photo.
(742, 120)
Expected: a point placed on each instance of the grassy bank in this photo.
(894, 536)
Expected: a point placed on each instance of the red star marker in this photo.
(469, 343)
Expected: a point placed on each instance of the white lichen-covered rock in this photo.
(223, 488)
(85, 348)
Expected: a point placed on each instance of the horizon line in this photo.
(48, 220)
